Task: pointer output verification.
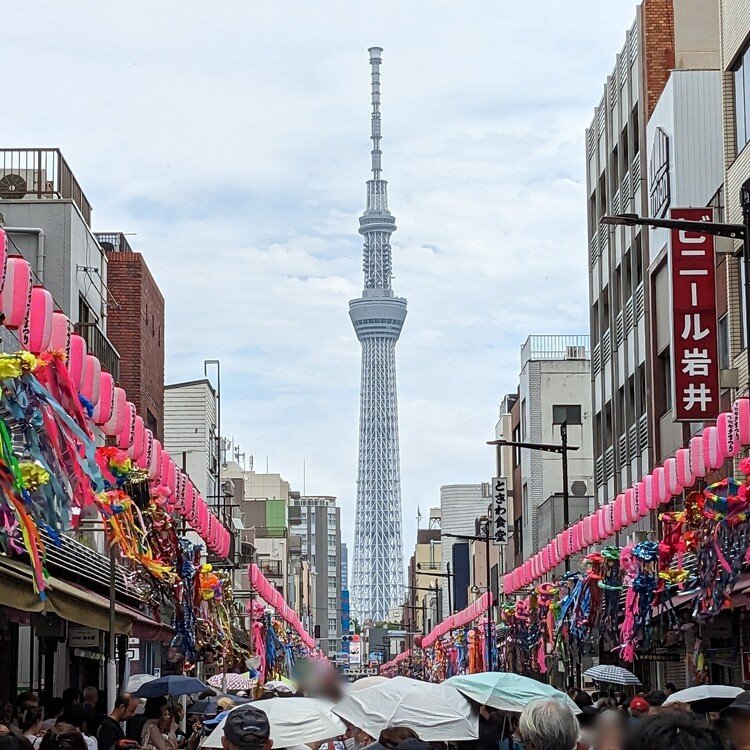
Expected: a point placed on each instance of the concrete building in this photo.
(320, 536)
(666, 35)
(735, 80)
(344, 567)
(554, 387)
(508, 465)
(424, 608)
(684, 137)
(136, 327)
(48, 220)
(460, 505)
(190, 412)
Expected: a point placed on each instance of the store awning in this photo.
(72, 603)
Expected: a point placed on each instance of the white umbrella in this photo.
(136, 680)
(367, 682)
(293, 721)
(612, 674)
(704, 693)
(437, 713)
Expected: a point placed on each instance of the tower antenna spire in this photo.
(376, 57)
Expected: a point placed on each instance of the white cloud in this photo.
(232, 138)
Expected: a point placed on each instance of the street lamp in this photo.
(563, 448)
(486, 538)
(715, 228)
(430, 572)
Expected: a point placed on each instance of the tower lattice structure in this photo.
(377, 316)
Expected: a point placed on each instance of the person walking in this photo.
(110, 730)
(548, 724)
(246, 728)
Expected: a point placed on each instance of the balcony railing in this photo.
(113, 242)
(555, 347)
(100, 346)
(40, 173)
(271, 568)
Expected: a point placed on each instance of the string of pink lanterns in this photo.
(705, 451)
(29, 309)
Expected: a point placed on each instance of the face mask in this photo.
(351, 744)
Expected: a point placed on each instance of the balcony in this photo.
(40, 173)
(101, 347)
(113, 242)
(271, 568)
(555, 347)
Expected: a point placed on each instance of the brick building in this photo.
(135, 326)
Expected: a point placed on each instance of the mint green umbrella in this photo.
(506, 691)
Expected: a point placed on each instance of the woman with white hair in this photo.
(548, 724)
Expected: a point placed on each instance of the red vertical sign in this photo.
(695, 360)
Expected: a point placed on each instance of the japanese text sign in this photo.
(695, 362)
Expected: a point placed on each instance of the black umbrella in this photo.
(172, 684)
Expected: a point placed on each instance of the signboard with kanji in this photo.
(695, 361)
(500, 510)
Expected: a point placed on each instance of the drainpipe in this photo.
(39, 232)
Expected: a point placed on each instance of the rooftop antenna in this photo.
(419, 518)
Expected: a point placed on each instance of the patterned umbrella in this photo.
(611, 674)
(234, 681)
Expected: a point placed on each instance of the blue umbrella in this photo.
(172, 684)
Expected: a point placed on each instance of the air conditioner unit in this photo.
(581, 487)
(23, 183)
(575, 352)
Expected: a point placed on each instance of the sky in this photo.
(232, 139)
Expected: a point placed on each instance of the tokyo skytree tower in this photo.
(377, 316)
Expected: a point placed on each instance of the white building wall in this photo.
(190, 432)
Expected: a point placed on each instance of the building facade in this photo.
(460, 506)
(377, 316)
(320, 535)
(47, 218)
(135, 326)
(190, 413)
(667, 35)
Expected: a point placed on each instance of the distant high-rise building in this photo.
(377, 316)
(344, 566)
(320, 535)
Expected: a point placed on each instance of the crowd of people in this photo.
(604, 721)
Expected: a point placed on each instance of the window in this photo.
(332, 603)
(331, 582)
(331, 625)
(724, 342)
(331, 561)
(525, 502)
(523, 419)
(663, 395)
(516, 449)
(518, 537)
(570, 414)
(742, 99)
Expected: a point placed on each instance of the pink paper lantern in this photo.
(728, 435)
(77, 361)
(92, 385)
(649, 491)
(127, 434)
(40, 320)
(180, 488)
(585, 532)
(620, 515)
(190, 498)
(684, 469)
(609, 519)
(116, 422)
(697, 459)
(15, 298)
(597, 532)
(105, 404)
(639, 499)
(670, 474)
(154, 466)
(62, 330)
(138, 447)
(661, 493)
(3, 257)
(565, 544)
(631, 510)
(144, 460)
(741, 410)
(711, 449)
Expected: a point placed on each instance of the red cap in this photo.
(639, 703)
